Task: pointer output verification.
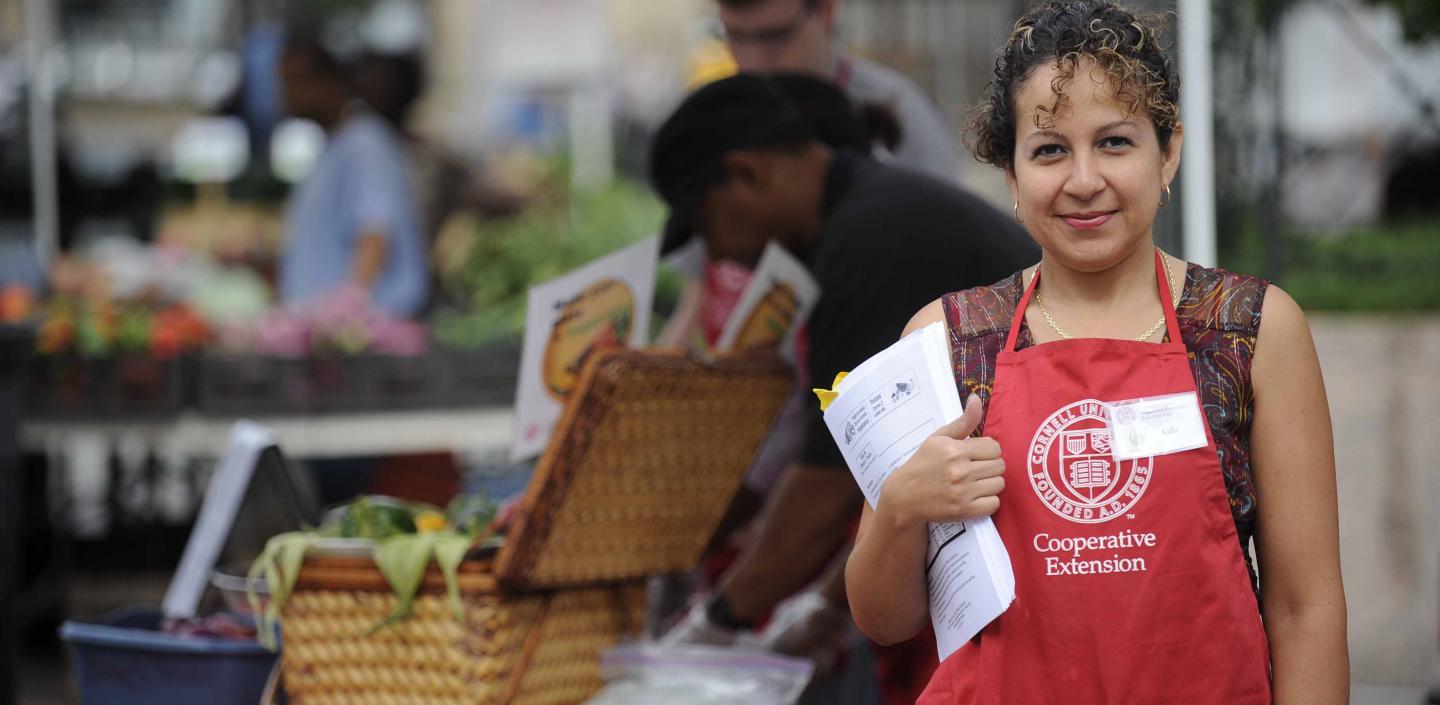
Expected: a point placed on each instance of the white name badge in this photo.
(1141, 428)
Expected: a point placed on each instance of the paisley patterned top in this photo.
(1219, 316)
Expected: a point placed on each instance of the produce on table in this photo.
(502, 259)
(177, 330)
(99, 329)
(17, 303)
(279, 333)
(429, 522)
(372, 517)
(342, 323)
(215, 626)
(228, 294)
(119, 296)
(473, 514)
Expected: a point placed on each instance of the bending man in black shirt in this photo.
(737, 163)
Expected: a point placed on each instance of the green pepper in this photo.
(376, 517)
(471, 515)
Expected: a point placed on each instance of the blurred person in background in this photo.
(768, 36)
(740, 164)
(840, 125)
(798, 36)
(353, 221)
(837, 123)
(391, 84)
(815, 623)
(444, 183)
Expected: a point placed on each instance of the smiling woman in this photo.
(1081, 116)
(1088, 121)
(1089, 173)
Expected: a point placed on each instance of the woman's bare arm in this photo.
(1297, 543)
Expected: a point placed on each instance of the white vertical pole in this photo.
(39, 31)
(1198, 114)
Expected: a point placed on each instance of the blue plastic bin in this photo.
(122, 659)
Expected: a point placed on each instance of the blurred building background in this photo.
(161, 128)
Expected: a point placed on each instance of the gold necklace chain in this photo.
(1142, 338)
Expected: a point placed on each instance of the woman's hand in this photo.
(952, 477)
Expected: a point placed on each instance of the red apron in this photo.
(1130, 586)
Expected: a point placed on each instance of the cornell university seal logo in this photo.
(1073, 471)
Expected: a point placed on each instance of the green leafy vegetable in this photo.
(279, 564)
(402, 560)
(376, 518)
(509, 256)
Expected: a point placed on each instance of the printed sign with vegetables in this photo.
(604, 304)
(598, 319)
(774, 306)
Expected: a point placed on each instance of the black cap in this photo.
(745, 111)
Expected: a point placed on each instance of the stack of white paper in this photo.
(884, 410)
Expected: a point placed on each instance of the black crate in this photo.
(142, 385)
(229, 384)
(66, 385)
(17, 350)
(441, 378)
(336, 384)
(484, 376)
(402, 382)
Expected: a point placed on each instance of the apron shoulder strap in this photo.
(1019, 317)
(1172, 322)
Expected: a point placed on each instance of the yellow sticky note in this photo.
(828, 395)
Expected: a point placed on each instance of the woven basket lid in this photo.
(644, 462)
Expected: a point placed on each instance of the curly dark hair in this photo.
(1124, 44)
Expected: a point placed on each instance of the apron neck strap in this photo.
(1019, 319)
(1172, 322)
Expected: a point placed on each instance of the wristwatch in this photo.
(719, 613)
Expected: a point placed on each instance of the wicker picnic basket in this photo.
(645, 459)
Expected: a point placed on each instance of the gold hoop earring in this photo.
(1166, 200)
(1018, 219)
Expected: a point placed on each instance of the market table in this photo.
(476, 433)
(466, 431)
(80, 452)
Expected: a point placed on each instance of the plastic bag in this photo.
(651, 674)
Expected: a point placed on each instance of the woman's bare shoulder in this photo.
(1282, 322)
(934, 312)
(1285, 362)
